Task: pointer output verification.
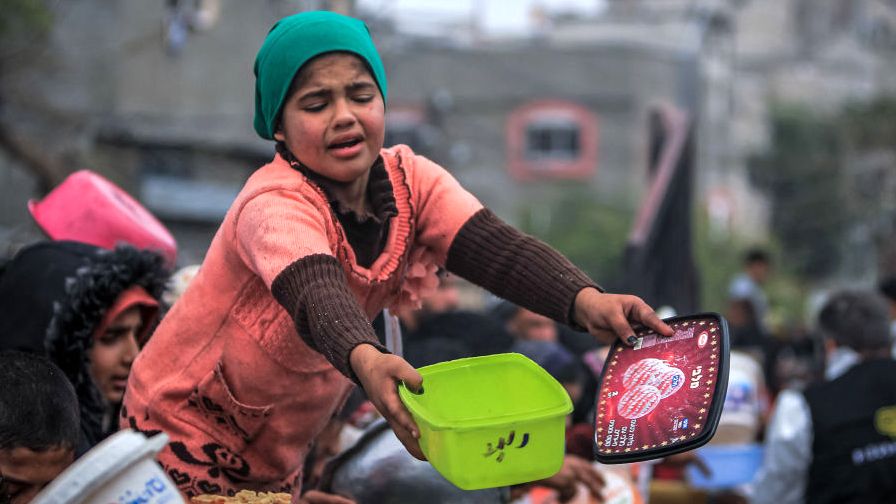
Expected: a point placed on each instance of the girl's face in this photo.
(113, 353)
(334, 120)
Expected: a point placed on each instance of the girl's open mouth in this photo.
(346, 147)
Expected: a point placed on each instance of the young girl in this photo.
(263, 347)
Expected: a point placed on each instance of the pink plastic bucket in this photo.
(87, 208)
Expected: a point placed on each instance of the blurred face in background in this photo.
(25, 472)
(445, 298)
(529, 325)
(113, 353)
(758, 271)
(740, 313)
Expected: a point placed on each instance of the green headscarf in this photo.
(295, 40)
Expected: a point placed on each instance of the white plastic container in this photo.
(120, 470)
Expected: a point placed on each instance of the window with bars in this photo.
(552, 140)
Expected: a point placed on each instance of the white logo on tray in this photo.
(702, 339)
(647, 382)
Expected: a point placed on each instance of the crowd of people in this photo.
(274, 365)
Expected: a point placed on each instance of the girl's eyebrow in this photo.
(324, 92)
(360, 86)
(120, 329)
(317, 93)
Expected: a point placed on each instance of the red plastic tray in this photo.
(663, 395)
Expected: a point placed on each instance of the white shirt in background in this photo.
(788, 441)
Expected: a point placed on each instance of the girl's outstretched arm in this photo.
(528, 272)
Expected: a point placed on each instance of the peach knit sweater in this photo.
(226, 375)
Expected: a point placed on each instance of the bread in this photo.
(244, 497)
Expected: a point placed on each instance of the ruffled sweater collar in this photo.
(379, 189)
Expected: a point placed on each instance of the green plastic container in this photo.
(490, 421)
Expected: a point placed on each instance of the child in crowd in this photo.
(39, 425)
(87, 309)
(253, 360)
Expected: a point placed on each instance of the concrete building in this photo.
(160, 101)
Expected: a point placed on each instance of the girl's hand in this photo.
(379, 374)
(609, 316)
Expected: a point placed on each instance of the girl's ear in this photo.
(278, 136)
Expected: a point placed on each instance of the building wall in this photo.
(159, 123)
(107, 93)
(482, 88)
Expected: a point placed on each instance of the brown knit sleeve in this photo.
(516, 267)
(314, 291)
